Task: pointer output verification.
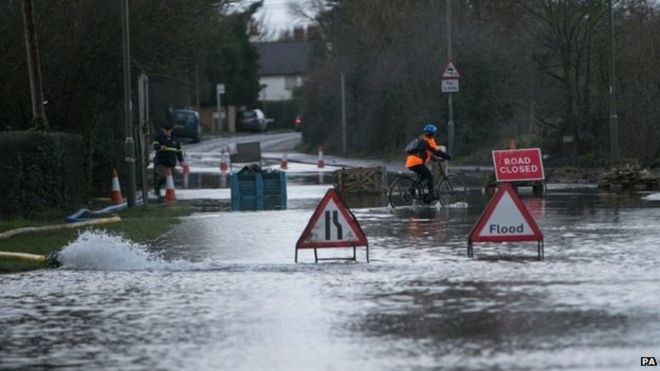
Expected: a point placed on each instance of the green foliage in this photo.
(41, 172)
(80, 48)
(283, 112)
(233, 60)
(528, 68)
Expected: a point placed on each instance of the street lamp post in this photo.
(34, 68)
(450, 100)
(613, 120)
(343, 114)
(129, 142)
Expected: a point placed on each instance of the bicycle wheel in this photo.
(403, 191)
(452, 192)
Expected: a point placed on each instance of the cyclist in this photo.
(418, 157)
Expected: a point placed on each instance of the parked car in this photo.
(297, 123)
(186, 124)
(252, 120)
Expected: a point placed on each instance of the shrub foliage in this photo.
(41, 171)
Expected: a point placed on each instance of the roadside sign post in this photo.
(143, 133)
(450, 78)
(332, 225)
(220, 89)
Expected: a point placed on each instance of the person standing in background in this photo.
(168, 151)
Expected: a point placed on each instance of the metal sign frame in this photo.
(474, 236)
(346, 213)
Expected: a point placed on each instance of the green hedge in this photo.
(41, 172)
(284, 113)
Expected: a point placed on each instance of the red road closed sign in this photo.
(516, 165)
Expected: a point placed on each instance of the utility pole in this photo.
(614, 124)
(143, 132)
(36, 90)
(450, 98)
(129, 142)
(343, 115)
(196, 86)
(219, 90)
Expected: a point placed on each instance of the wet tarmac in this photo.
(221, 291)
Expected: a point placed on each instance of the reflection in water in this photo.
(221, 291)
(535, 206)
(200, 180)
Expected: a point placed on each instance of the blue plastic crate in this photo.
(258, 191)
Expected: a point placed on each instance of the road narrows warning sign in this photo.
(332, 225)
(505, 219)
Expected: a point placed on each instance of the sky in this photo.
(276, 16)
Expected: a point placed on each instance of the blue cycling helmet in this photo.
(430, 129)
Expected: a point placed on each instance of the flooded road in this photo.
(221, 291)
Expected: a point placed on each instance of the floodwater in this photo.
(221, 292)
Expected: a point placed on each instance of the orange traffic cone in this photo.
(223, 162)
(284, 164)
(320, 163)
(116, 190)
(170, 195)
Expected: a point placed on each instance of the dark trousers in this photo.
(424, 174)
(160, 177)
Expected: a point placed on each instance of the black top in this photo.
(170, 154)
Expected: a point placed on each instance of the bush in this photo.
(284, 113)
(41, 172)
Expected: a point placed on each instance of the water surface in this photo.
(221, 291)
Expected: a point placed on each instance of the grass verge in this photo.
(139, 224)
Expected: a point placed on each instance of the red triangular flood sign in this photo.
(331, 225)
(505, 219)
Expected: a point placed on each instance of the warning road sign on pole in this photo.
(450, 71)
(332, 225)
(450, 77)
(506, 220)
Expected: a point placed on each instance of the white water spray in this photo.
(95, 250)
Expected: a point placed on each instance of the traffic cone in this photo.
(170, 195)
(223, 162)
(284, 164)
(116, 190)
(512, 144)
(186, 175)
(223, 180)
(320, 163)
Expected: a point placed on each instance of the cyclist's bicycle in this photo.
(407, 190)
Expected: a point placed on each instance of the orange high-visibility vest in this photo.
(414, 160)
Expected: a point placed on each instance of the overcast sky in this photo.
(276, 15)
